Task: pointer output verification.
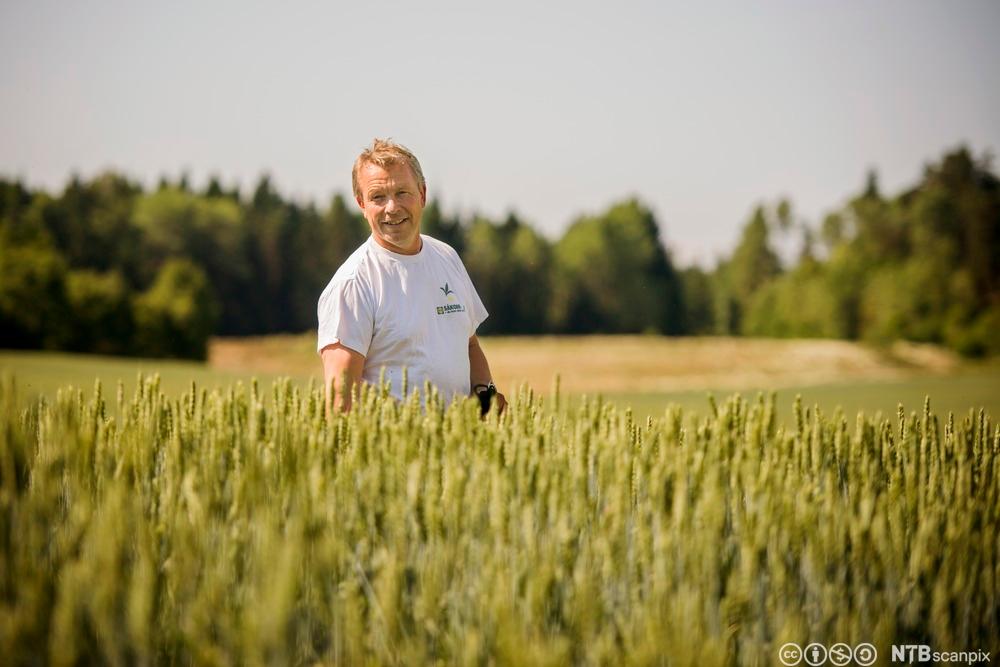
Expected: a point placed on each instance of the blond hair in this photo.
(384, 152)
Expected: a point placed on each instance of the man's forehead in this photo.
(373, 174)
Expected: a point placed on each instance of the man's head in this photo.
(390, 189)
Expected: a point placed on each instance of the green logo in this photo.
(450, 307)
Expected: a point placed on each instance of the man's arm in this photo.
(342, 368)
(479, 371)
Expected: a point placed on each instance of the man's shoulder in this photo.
(352, 271)
(357, 262)
(440, 248)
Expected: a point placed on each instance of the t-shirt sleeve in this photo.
(477, 311)
(346, 316)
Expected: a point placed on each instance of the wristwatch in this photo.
(485, 392)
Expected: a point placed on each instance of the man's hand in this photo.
(342, 368)
(488, 397)
(501, 403)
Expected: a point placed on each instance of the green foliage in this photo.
(929, 272)
(893, 305)
(754, 262)
(91, 223)
(612, 275)
(795, 305)
(14, 198)
(101, 312)
(176, 315)
(751, 266)
(698, 299)
(244, 527)
(20, 221)
(176, 223)
(977, 338)
(445, 228)
(208, 232)
(33, 309)
(922, 265)
(510, 266)
(847, 275)
(266, 261)
(832, 231)
(316, 246)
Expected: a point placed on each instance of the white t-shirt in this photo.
(414, 311)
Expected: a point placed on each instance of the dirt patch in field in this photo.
(648, 364)
(293, 355)
(633, 363)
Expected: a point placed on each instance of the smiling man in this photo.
(403, 299)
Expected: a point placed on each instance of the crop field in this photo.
(240, 526)
(193, 515)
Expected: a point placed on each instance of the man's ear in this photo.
(423, 195)
(360, 202)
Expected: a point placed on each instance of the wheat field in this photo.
(239, 526)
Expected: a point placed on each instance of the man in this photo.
(401, 300)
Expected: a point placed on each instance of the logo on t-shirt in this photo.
(451, 307)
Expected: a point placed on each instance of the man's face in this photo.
(392, 203)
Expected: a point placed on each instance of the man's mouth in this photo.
(393, 223)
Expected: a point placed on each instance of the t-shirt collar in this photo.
(399, 257)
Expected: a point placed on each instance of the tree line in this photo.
(108, 267)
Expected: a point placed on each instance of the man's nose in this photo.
(390, 205)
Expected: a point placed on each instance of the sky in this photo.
(550, 109)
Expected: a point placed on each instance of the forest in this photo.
(107, 266)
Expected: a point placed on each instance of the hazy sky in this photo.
(550, 109)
